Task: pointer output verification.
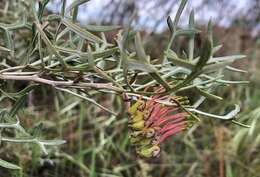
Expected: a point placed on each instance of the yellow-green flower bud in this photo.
(149, 151)
(134, 108)
(137, 125)
(137, 117)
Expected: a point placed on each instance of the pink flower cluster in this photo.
(152, 122)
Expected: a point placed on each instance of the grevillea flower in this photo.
(152, 122)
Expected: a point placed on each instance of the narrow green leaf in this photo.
(256, 142)
(9, 165)
(215, 67)
(228, 116)
(87, 99)
(76, 162)
(205, 54)
(54, 17)
(23, 92)
(230, 58)
(98, 70)
(81, 31)
(42, 5)
(49, 45)
(216, 48)
(192, 37)
(210, 32)
(26, 90)
(232, 82)
(239, 139)
(172, 56)
(140, 49)
(90, 58)
(52, 142)
(182, 63)
(227, 81)
(192, 20)
(16, 25)
(17, 106)
(34, 10)
(4, 49)
(200, 83)
(140, 66)
(63, 6)
(75, 13)
(240, 124)
(228, 167)
(172, 36)
(160, 80)
(96, 54)
(170, 24)
(178, 14)
(173, 25)
(37, 130)
(236, 69)
(186, 32)
(69, 107)
(102, 28)
(93, 164)
(122, 43)
(75, 4)
(9, 41)
(208, 95)
(5, 94)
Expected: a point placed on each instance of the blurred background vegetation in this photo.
(97, 144)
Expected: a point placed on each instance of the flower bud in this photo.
(149, 151)
(139, 116)
(134, 108)
(137, 125)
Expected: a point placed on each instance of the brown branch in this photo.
(36, 78)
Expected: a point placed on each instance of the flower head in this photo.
(152, 122)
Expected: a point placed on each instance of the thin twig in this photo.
(36, 78)
(88, 99)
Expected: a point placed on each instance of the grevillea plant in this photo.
(151, 122)
(43, 49)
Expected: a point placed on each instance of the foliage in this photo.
(54, 50)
